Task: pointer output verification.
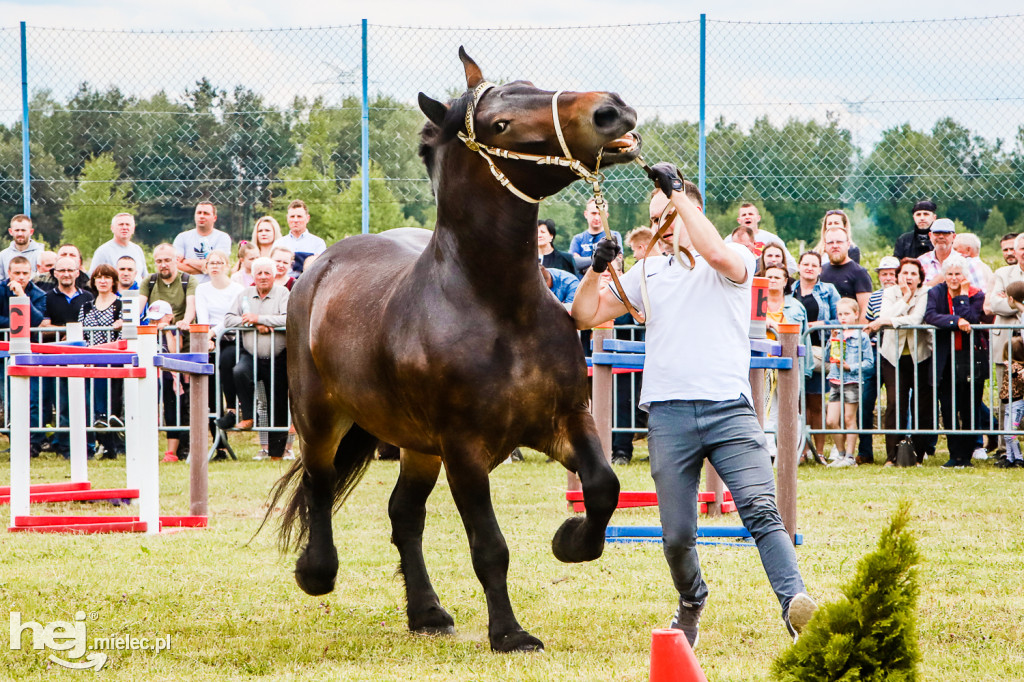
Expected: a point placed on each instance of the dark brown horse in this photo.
(448, 344)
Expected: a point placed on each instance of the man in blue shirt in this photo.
(582, 244)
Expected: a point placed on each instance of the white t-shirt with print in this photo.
(698, 345)
(190, 244)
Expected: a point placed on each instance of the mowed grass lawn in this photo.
(233, 611)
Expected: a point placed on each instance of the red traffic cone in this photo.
(672, 659)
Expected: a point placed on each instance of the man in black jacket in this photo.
(912, 244)
(62, 305)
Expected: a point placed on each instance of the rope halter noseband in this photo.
(486, 152)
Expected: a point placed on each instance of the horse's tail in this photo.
(355, 452)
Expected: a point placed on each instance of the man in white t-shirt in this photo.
(193, 246)
(299, 240)
(697, 393)
(749, 216)
(122, 226)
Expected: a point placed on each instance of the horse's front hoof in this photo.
(315, 572)
(521, 640)
(433, 621)
(572, 545)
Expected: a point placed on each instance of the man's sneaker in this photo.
(798, 615)
(979, 454)
(289, 455)
(261, 455)
(687, 619)
(843, 462)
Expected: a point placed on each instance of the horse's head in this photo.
(594, 128)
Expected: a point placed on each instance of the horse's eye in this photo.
(500, 126)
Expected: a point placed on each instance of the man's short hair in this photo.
(20, 218)
(208, 203)
(969, 240)
(264, 261)
(1007, 236)
(743, 229)
(122, 215)
(639, 234)
(128, 258)
(747, 204)
(550, 224)
(163, 246)
(298, 203)
(18, 260)
(836, 228)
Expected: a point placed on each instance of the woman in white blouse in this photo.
(213, 300)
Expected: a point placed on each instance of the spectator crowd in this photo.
(913, 336)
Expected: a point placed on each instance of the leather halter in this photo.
(594, 177)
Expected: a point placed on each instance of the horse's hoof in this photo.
(316, 574)
(520, 640)
(433, 621)
(571, 544)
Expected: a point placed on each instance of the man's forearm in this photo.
(587, 301)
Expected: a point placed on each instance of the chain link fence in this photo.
(799, 117)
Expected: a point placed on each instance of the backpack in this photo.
(184, 282)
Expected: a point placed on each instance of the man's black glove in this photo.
(604, 253)
(667, 177)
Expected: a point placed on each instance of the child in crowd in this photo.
(1011, 391)
(1013, 402)
(242, 273)
(851, 360)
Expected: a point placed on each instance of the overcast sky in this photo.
(223, 14)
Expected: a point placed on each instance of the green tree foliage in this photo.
(995, 226)
(232, 145)
(98, 197)
(870, 634)
(385, 211)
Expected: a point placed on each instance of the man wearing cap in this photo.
(917, 242)
(887, 268)
(942, 233)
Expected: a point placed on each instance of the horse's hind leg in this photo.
(407, 510)
(317, 566)
(467, 477)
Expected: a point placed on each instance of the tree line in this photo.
(101, 151)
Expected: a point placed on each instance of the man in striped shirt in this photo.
(886, 270)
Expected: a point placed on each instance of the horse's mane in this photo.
(432, 137)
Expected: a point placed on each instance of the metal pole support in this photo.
(19, 400)
(199, 429)
(788, 436)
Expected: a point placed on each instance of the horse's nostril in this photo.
(606, 117)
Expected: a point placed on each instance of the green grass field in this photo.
(233, 611)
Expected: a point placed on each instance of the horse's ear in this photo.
(434, 110)
(473, 74)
